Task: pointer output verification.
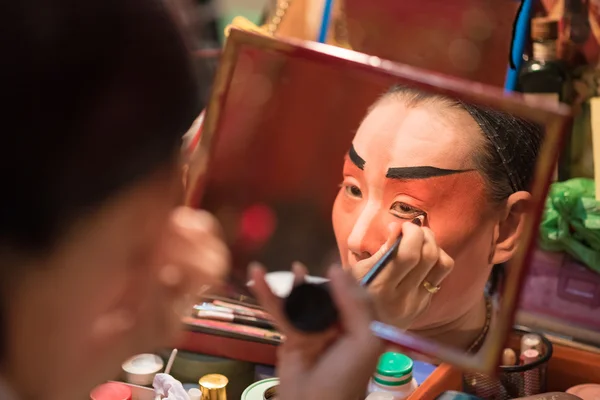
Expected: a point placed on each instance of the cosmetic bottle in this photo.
(393, 376)
(544, 74)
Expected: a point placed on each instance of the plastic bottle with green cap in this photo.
(393, 376)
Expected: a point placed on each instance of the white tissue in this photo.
(169, 388)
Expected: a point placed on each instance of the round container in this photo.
(589, 391)
(213, 387)
(394, 376)
(261, 389)
(111, 391)
(195, 394)
(141, 369)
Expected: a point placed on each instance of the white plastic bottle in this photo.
(380, 396)
(393, 376)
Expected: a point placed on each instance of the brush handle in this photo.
(380, 265)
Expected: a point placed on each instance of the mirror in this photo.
(288, 122)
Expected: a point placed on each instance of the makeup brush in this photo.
(380, 265)
(310, 308)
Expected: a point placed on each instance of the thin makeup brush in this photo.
(387, 257)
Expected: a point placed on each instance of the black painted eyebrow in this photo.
(355, 158)
(421, 172)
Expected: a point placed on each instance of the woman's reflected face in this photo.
(410, 161)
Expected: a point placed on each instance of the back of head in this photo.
(97, 94)
(96, 97)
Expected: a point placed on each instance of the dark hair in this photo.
(511, 144)
(507, 158)
(96, 97)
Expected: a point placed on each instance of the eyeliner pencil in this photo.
(236, 319)
(380, 264)
(387, 257)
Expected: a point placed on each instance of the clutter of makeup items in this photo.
(522, 372)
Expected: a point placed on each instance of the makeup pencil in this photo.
(381, 263)
(236, 319)
(387, 257)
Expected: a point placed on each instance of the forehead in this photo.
(422, 135)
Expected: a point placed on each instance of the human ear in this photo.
(510, 227)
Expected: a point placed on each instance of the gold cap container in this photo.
(213, 387)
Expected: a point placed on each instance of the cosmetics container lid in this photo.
(258, 390)
(393, 369)
(531, 341)
(590, 391)
(111, 391)
(530, 356)
(195, 394)
(213, 387)
(310, 307)
(141, 369)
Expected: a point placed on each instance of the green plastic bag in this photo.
(571, 221)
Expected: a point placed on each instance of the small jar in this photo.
(393, 376)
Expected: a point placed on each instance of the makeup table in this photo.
(570, 365)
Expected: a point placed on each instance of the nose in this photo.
(368, 234)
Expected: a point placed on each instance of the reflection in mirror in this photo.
(325, 162)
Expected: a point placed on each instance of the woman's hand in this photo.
(403, 290)
(191, 256)
(332, 365)
(195, 253)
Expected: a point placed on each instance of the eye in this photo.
(353, 191)
(405, 211)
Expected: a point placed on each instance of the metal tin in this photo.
(261, 390)
(213, 387)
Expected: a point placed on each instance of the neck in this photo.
(461, 332)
